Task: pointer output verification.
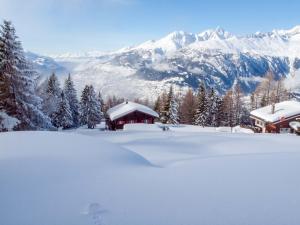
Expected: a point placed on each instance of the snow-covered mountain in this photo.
(44, 64)
(184, 59)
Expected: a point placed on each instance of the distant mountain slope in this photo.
(217, 57)
(45, 65)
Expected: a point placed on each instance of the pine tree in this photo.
(51, 96)
(101, 106)
(17, 83)
(63, 117)
(8, 68)
(71, 96)
(173, 108)
(201, 113)
(219, 116)
(228, 109)
(89, 108)
(212, 108)
(84, 105)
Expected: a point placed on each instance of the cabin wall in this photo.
(275, 128)
(134, 117)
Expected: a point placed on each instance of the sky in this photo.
(59, 26)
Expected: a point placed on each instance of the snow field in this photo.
(149, 177)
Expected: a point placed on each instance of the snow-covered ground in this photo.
(184, 176)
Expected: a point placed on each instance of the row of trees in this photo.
(40, 107)
(63, 107)
(205, 108)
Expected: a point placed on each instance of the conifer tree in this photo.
(51, 96)
(101, 105)
(228, 109)
(173, 108)
(18, 96)
(63, 117)
(84, 105)
(89, 107)
(201, 113)
(71, 97)
(219, 116)
(212, 108)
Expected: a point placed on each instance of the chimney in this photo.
(273, 108)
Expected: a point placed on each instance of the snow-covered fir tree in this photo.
(201, 112)
(212, 108)
(101, 105)
(2, 126)
(90, 113)
(51, 96)
(17, 83)
(228, 109)
(173, 117)
(63, 118)
(219, 116)
(71, 96)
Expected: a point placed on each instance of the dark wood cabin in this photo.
(133, 117)
(129, 112)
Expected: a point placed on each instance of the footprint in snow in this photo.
(95, 212)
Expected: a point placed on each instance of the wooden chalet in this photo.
(129, 112)
(276, 118)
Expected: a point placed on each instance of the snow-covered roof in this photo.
(129, 107)
(282, 110)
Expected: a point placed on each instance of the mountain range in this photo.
(217, 57)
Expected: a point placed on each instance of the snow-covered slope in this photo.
(183, 59)
(45, 65)
(162, 178)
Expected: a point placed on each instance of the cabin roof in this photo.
(282, 110)
(128, 107)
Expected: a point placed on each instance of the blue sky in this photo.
(58, 26)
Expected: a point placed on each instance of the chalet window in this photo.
(259, 123)
(146, 121)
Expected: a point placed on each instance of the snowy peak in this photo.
(291, 32)
(172, 42)
(180, 38)
(217, 34)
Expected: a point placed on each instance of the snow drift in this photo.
(137, 177)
